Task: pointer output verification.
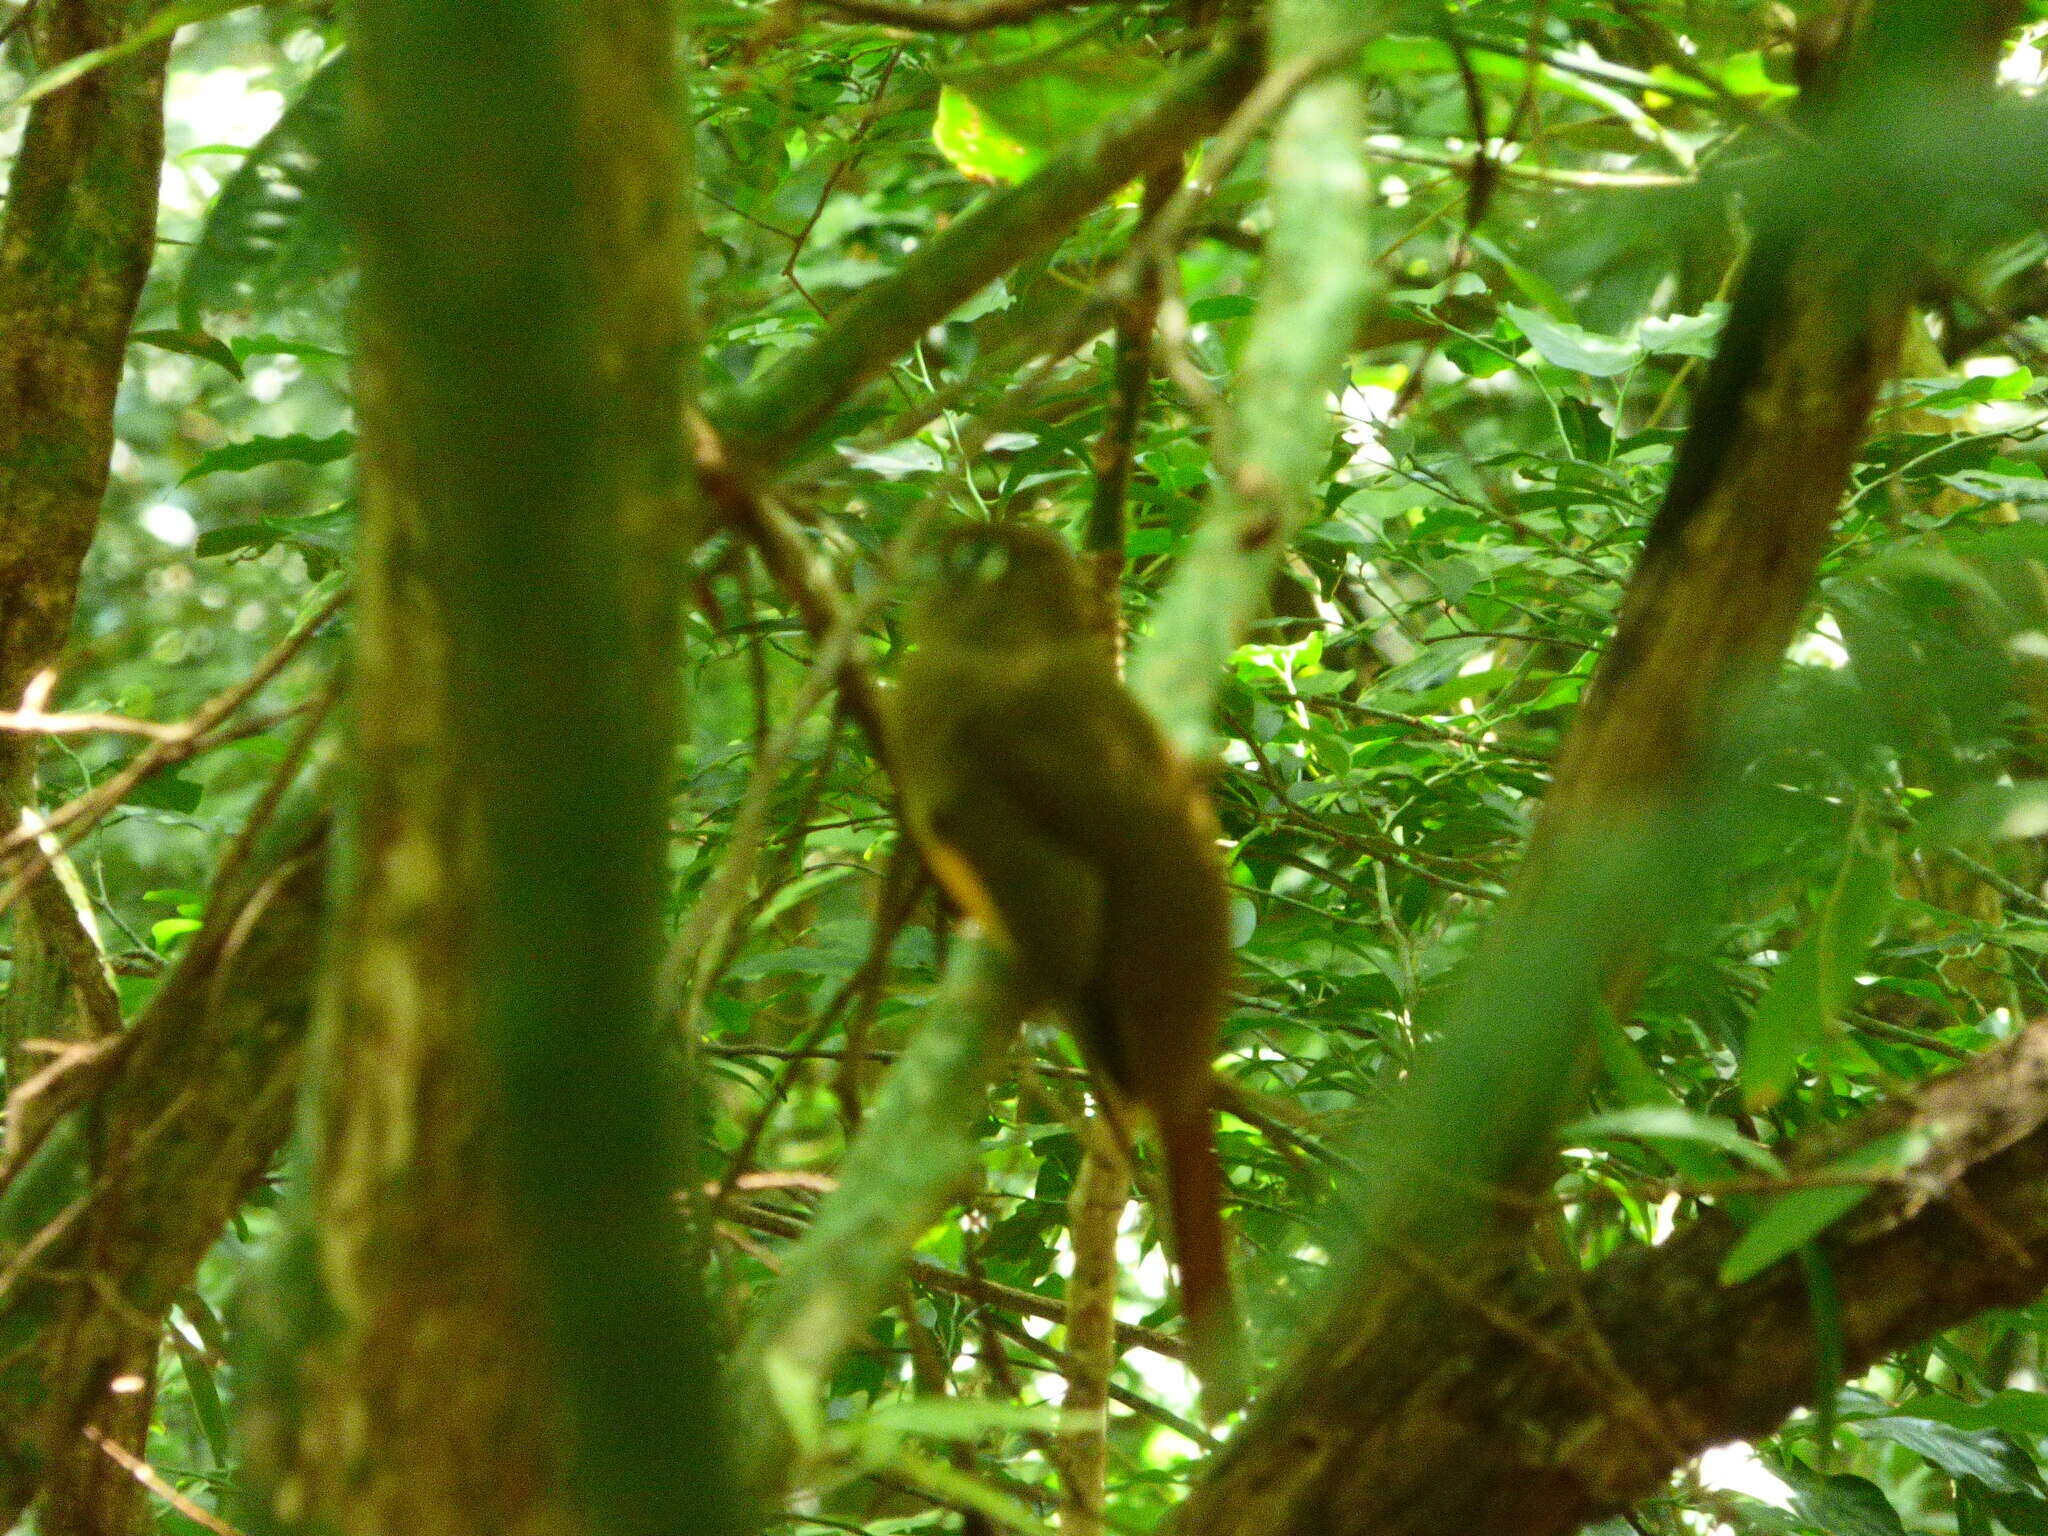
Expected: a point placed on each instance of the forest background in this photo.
(480, 1054)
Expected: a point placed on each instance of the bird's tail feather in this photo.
(1194, 1194)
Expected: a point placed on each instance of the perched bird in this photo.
(1053, 812)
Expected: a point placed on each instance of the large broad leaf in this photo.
(1660, 1124)
(970, 139)
(275, 232)
(1019, 93)
(1573, 347)
(1988, 1456)
(1843, 1505)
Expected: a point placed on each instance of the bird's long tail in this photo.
(1194, 1188)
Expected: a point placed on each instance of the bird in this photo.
(1050, 808)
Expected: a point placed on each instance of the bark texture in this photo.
(489, 1196)
(75, 246)
(1535, 1408)
(107, 1222)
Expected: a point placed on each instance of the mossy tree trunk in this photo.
(514, 1348)
(75, 245)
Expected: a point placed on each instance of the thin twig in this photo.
(697, 954)
(151, 1479)
(993, 1293)
(71, 820)
(845, 164)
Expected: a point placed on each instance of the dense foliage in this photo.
(1559, 219)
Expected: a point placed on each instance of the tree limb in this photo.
(767, 420)
(1485, 1415)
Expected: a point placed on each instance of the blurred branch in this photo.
(1385, 147)
(189, 1108)
(520, 389)
(976, 1288)
(1319, 278)
(917, 1153)
(77, 236)
(1095, 1209)
(154, 1481)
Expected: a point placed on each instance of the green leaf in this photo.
(206, 1403)
(1988, 813)
(294, 448)
(1744, 75)
(155, 30)
(1222, 306)
(1843, 1505)
(322, 537)
(1045, 85)
(2017, 1412)
(1399, 55)
(267, 345)
(1572, 347)
(1658, 1125)
(167, 791)
(165, 930)
(1824, 1302)
(1685, 335)
(969, 138)
(1815, 981)
(193, 344)
(1792, 1220)
(275, 230)
(1625, 1067)
(2023, 490)
(1971, 1518)
(1477, 361)
(1986, 1455)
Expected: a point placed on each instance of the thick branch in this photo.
(518, 1340)
(75, 245)
(1530, 1412)
(768, 420)
(1625, 842)
(98, 1233)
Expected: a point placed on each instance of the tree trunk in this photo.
(512, 1351)
(75, 246)
(1533, 1409)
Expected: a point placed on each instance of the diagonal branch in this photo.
(1489, 1416)
(767, 420)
